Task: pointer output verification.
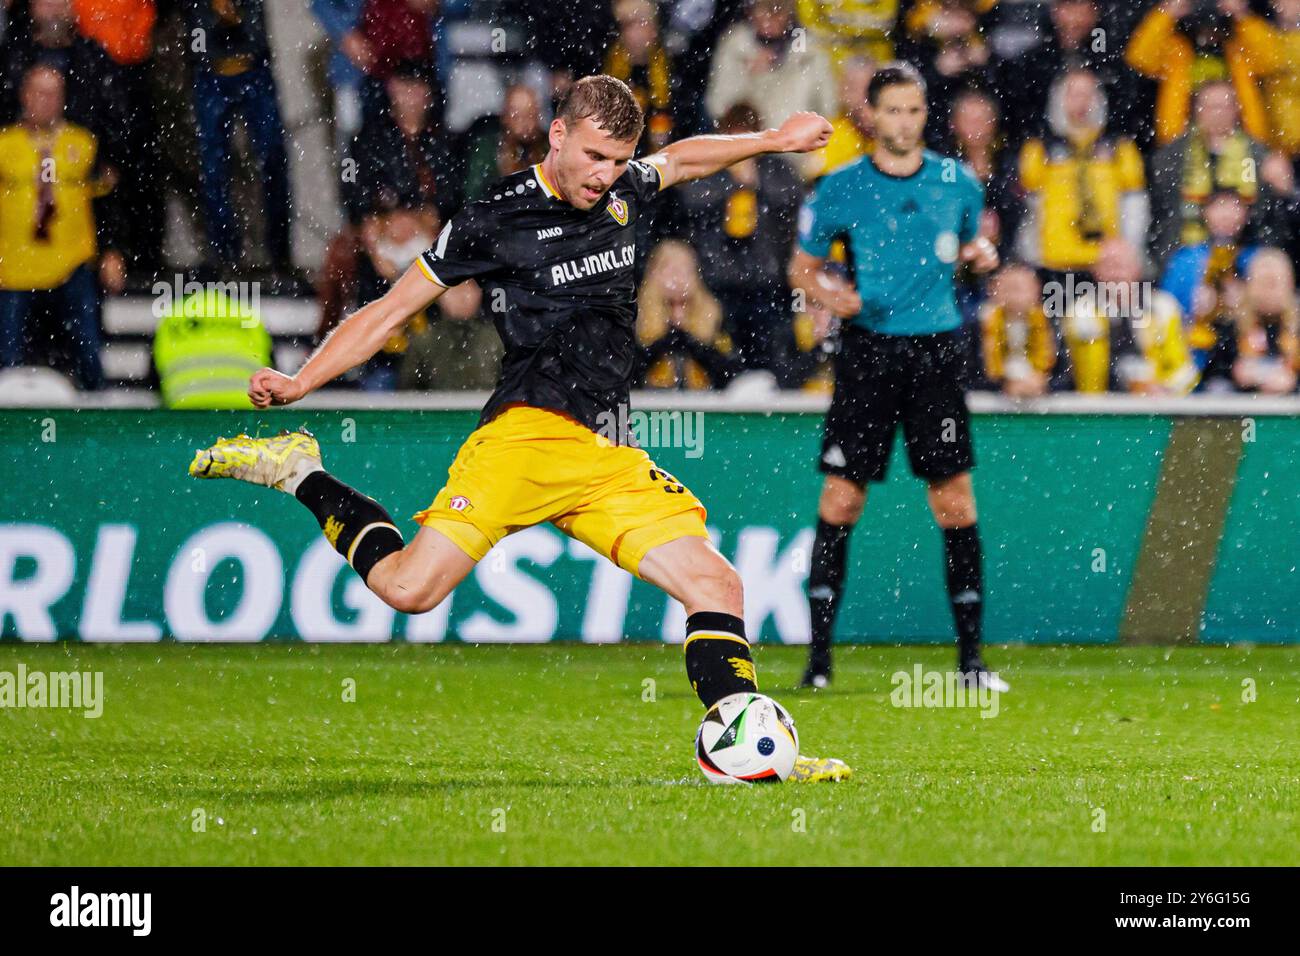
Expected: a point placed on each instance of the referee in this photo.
(906, 217)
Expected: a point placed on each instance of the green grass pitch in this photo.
(550, 754)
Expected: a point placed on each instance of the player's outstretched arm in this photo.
(356, 338)
(701, 156)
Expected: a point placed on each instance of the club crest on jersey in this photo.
(618, 209)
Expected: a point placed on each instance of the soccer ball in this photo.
(746, 738)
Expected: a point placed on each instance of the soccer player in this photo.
(907, 217)
(554, 244)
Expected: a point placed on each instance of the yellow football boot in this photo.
(280, 462)
(819, 770)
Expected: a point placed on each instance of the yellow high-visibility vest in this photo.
(206, 347)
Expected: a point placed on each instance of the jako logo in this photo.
(103, 909)
(549, 233)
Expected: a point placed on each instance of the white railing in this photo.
(980, 403)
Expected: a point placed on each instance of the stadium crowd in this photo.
(1139, 160)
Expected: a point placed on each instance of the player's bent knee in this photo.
(419, 578)
(409, 601)
(403, 591)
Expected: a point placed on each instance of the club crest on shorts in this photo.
(618, 209)
(459, 503)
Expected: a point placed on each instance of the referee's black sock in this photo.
(718, 662)
(965, 588)
(357, 526)
(825, 585)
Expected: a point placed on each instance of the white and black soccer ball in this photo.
(746, 738)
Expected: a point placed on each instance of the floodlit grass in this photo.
(454, 754)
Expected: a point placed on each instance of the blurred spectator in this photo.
(458, 350)
(405, 182)
(351, 57)
(204, 350)
(124, 28)
(679, 325)
(1075, 39)
(1019, 345)
(570, 41)
(741, 222)
(849, 28)
(1084, 186)
(948, 48)
(49, 36)
(690, 30)
(1214, 332)
(639, 59)
(762, 61)
(390, 239)
(1225, 220)
(393, 32)
(230, 58)
(50, 170)
(1183, 44)
(403, 152)
(1205, 278)
(851, 125)
(1121, 337)
(811, 366)
(1278, 60)
(976, 139)
(1215, 154)
(497, 147)
(1268, 334)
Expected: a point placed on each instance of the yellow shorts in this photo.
(529, 465)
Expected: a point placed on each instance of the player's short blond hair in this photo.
(607, 101)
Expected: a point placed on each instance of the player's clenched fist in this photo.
(269, 387)
(803, 132)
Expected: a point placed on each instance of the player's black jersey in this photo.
(559, 284)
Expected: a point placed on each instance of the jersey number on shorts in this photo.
(672, 486)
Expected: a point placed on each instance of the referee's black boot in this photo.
(974, 670)
(817, 675)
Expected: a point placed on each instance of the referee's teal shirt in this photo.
(902, 235)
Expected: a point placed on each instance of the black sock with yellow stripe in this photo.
(717, 656)
(357, 526)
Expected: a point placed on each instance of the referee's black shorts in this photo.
(884, 380)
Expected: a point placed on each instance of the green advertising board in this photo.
(1097, 528)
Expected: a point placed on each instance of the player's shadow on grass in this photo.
(340, 789)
